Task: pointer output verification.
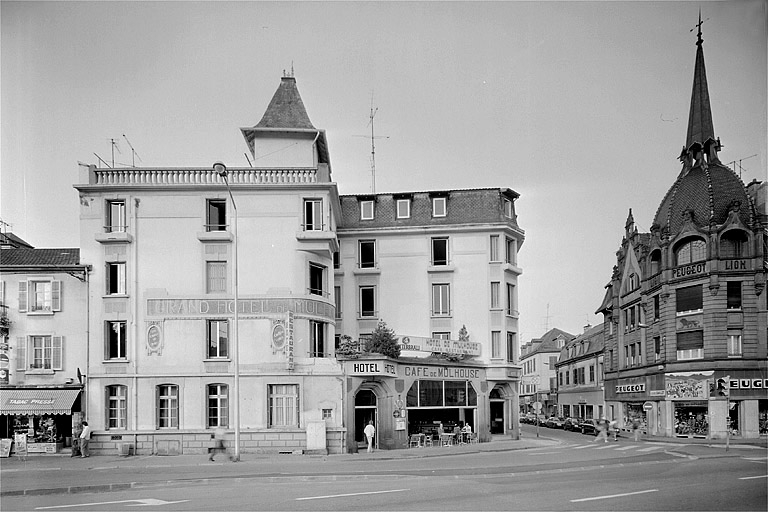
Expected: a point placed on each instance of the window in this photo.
(337, 259)
(656, 348)
(216, 219)
(167, 406)
(117, 407)
(283, 405)
(45, 352)
(441, 300)
(441, 335)
(115, 340)
(733, 244)
(316, 279)
(367, 254)
(734, 295)
(316, 339)
(552, 362)
(116, 278)
(115, 217)
(690, 345)
(438, 207)
(366, 210)
(367, 301)
(691, 251)
(734, 343)
(495, 295)
(337, 299)
(215, 276)
(632, 354)
(495, 248)
(689, 299)
(655, 262)
(218, 339)
(39, 296)
(507, 208)
(560, 378)
(327, 414)
(511, 346)
(567, 378)
(218, 405)
(495, 344)
(313, 215)
(511, 251)
(439, 251)
(403, 208)
(511, 299)
(656, 308)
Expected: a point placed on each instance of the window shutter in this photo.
(690, 340)
(22, 296)
(107, 393)
(689, 299)
(58, 352)
(21, 353)
(56, 295)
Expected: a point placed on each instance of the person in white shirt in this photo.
(369, 432)
(85, 440)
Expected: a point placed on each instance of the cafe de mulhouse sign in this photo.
(443, 346)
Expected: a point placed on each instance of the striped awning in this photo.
(37, 401)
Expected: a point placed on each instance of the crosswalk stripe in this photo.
(604, 447)
(581, 447)
(621, 449)
(650, 448)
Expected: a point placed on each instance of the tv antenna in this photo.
(373, 145)
(115, 145)
(134, 154)
(740, 160)
(103, 161)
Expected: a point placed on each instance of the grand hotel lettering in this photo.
(258, 307)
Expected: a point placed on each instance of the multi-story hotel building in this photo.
(184, 272)
(686, 304)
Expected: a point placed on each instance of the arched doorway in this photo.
(496, 401)
(365, 411)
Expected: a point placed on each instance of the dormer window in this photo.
(366, 210)
(733, 244)
(439, 207)
(508, 208)
(691, 251)
(403, 208)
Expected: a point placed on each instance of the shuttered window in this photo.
(690, 340)
(734, 295)
(689, 299)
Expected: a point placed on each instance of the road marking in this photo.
(755, 458)
(151, 502)
(604, 447)
(626, 448)
(614, 496)
(753, 477)
(547, 453)
(580, 447)
(650, 448)
(349, 494)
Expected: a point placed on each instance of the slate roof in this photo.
(592, 337)
(547, 343)
(39, 257)
(286, 110)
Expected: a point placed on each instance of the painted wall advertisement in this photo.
(688, 385)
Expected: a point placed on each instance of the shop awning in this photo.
(37, 401)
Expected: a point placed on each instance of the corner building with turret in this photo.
(685, 319)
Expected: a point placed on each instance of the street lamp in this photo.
(221, 170)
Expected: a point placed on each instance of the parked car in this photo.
(572, 424)
(555, 422)
(589, 427)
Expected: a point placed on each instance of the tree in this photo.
(383, 341)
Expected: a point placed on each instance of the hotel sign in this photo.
(264, 307)
(372, 368)
(443, 346)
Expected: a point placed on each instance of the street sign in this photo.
(648, 406)
(537, 406)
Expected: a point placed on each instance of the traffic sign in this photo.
(537, 406)
(648, 406)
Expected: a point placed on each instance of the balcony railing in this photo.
(201, 176)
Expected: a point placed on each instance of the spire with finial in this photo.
(700, 140)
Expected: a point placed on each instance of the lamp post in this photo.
(221, 170)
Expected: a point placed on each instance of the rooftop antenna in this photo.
(373, 145)
(134, 154)
(740, 160)
(114, 145)
(249, 160)
(546, 319)
(103, 161)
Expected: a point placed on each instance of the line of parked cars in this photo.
(583, 425)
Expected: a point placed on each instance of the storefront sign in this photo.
(689, 270)
(440, 372)
(30, 401)
(748, 384)
(443, 346)
(657, 392)
(688, 385)
(735, 265)
(631, 388)
(372, 368)
(202, 307)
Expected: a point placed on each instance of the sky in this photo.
(580, 107)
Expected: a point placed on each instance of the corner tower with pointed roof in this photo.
(686, 303)
(285, 137)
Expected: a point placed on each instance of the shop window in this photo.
(733, 418)
(734, 244)
(368, 301)
(403, 208)
(313, 215)
(441, 305)
(45, 352)
(439, 251)
(316, 339)
(689, 299)
(430, 393)
(366, 210)
(216, 215)
(734, 343)
(690, 251)
(116, 278)
(690, 345)
(690, 419)
(116, 345)
(167, 406)
(762, 417)
(117, 407)
(734, 295)
(316, 279)
(215, 276)
(218, 405)
(39, 296)
(367, 254)
(115, 218)
(494, 253)
(283, 405)
(218, 339)
(439, 206)
(495, 344)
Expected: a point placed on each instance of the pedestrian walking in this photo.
(369, 432)
(636, 429)
(602, 430)
(614, 427)
(85, 440)
(218, 447)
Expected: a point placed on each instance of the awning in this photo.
(37, 401)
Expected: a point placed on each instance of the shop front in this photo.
(406, 397)
(637, 401)
(43, 419)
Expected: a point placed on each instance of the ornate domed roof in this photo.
(708, 192)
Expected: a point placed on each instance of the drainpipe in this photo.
(135, 296)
